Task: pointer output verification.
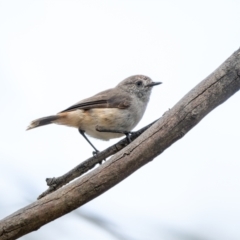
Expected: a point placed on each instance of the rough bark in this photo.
(206, 96)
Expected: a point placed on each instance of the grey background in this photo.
(54, 53)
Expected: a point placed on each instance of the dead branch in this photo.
(85, 166)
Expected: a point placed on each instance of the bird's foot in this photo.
(128, 136)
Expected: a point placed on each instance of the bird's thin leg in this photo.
(128, 134)
(83, 134)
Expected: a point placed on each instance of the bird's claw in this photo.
(95, 153)
(128, 136)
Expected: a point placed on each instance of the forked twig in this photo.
(85, 166)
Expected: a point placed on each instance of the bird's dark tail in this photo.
(43, 121)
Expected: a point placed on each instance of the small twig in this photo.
(56, 183)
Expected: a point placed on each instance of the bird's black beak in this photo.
(152, 84)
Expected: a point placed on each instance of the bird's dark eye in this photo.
(139, 83)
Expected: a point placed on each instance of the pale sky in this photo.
(55, 53)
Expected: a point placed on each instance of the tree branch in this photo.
(85, 166)
(206, 96)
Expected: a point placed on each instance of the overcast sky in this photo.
(55, 53)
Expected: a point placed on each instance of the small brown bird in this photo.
(108, 114)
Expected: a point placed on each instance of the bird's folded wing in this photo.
(105, 99)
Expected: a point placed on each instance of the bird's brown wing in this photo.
(105, 99)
